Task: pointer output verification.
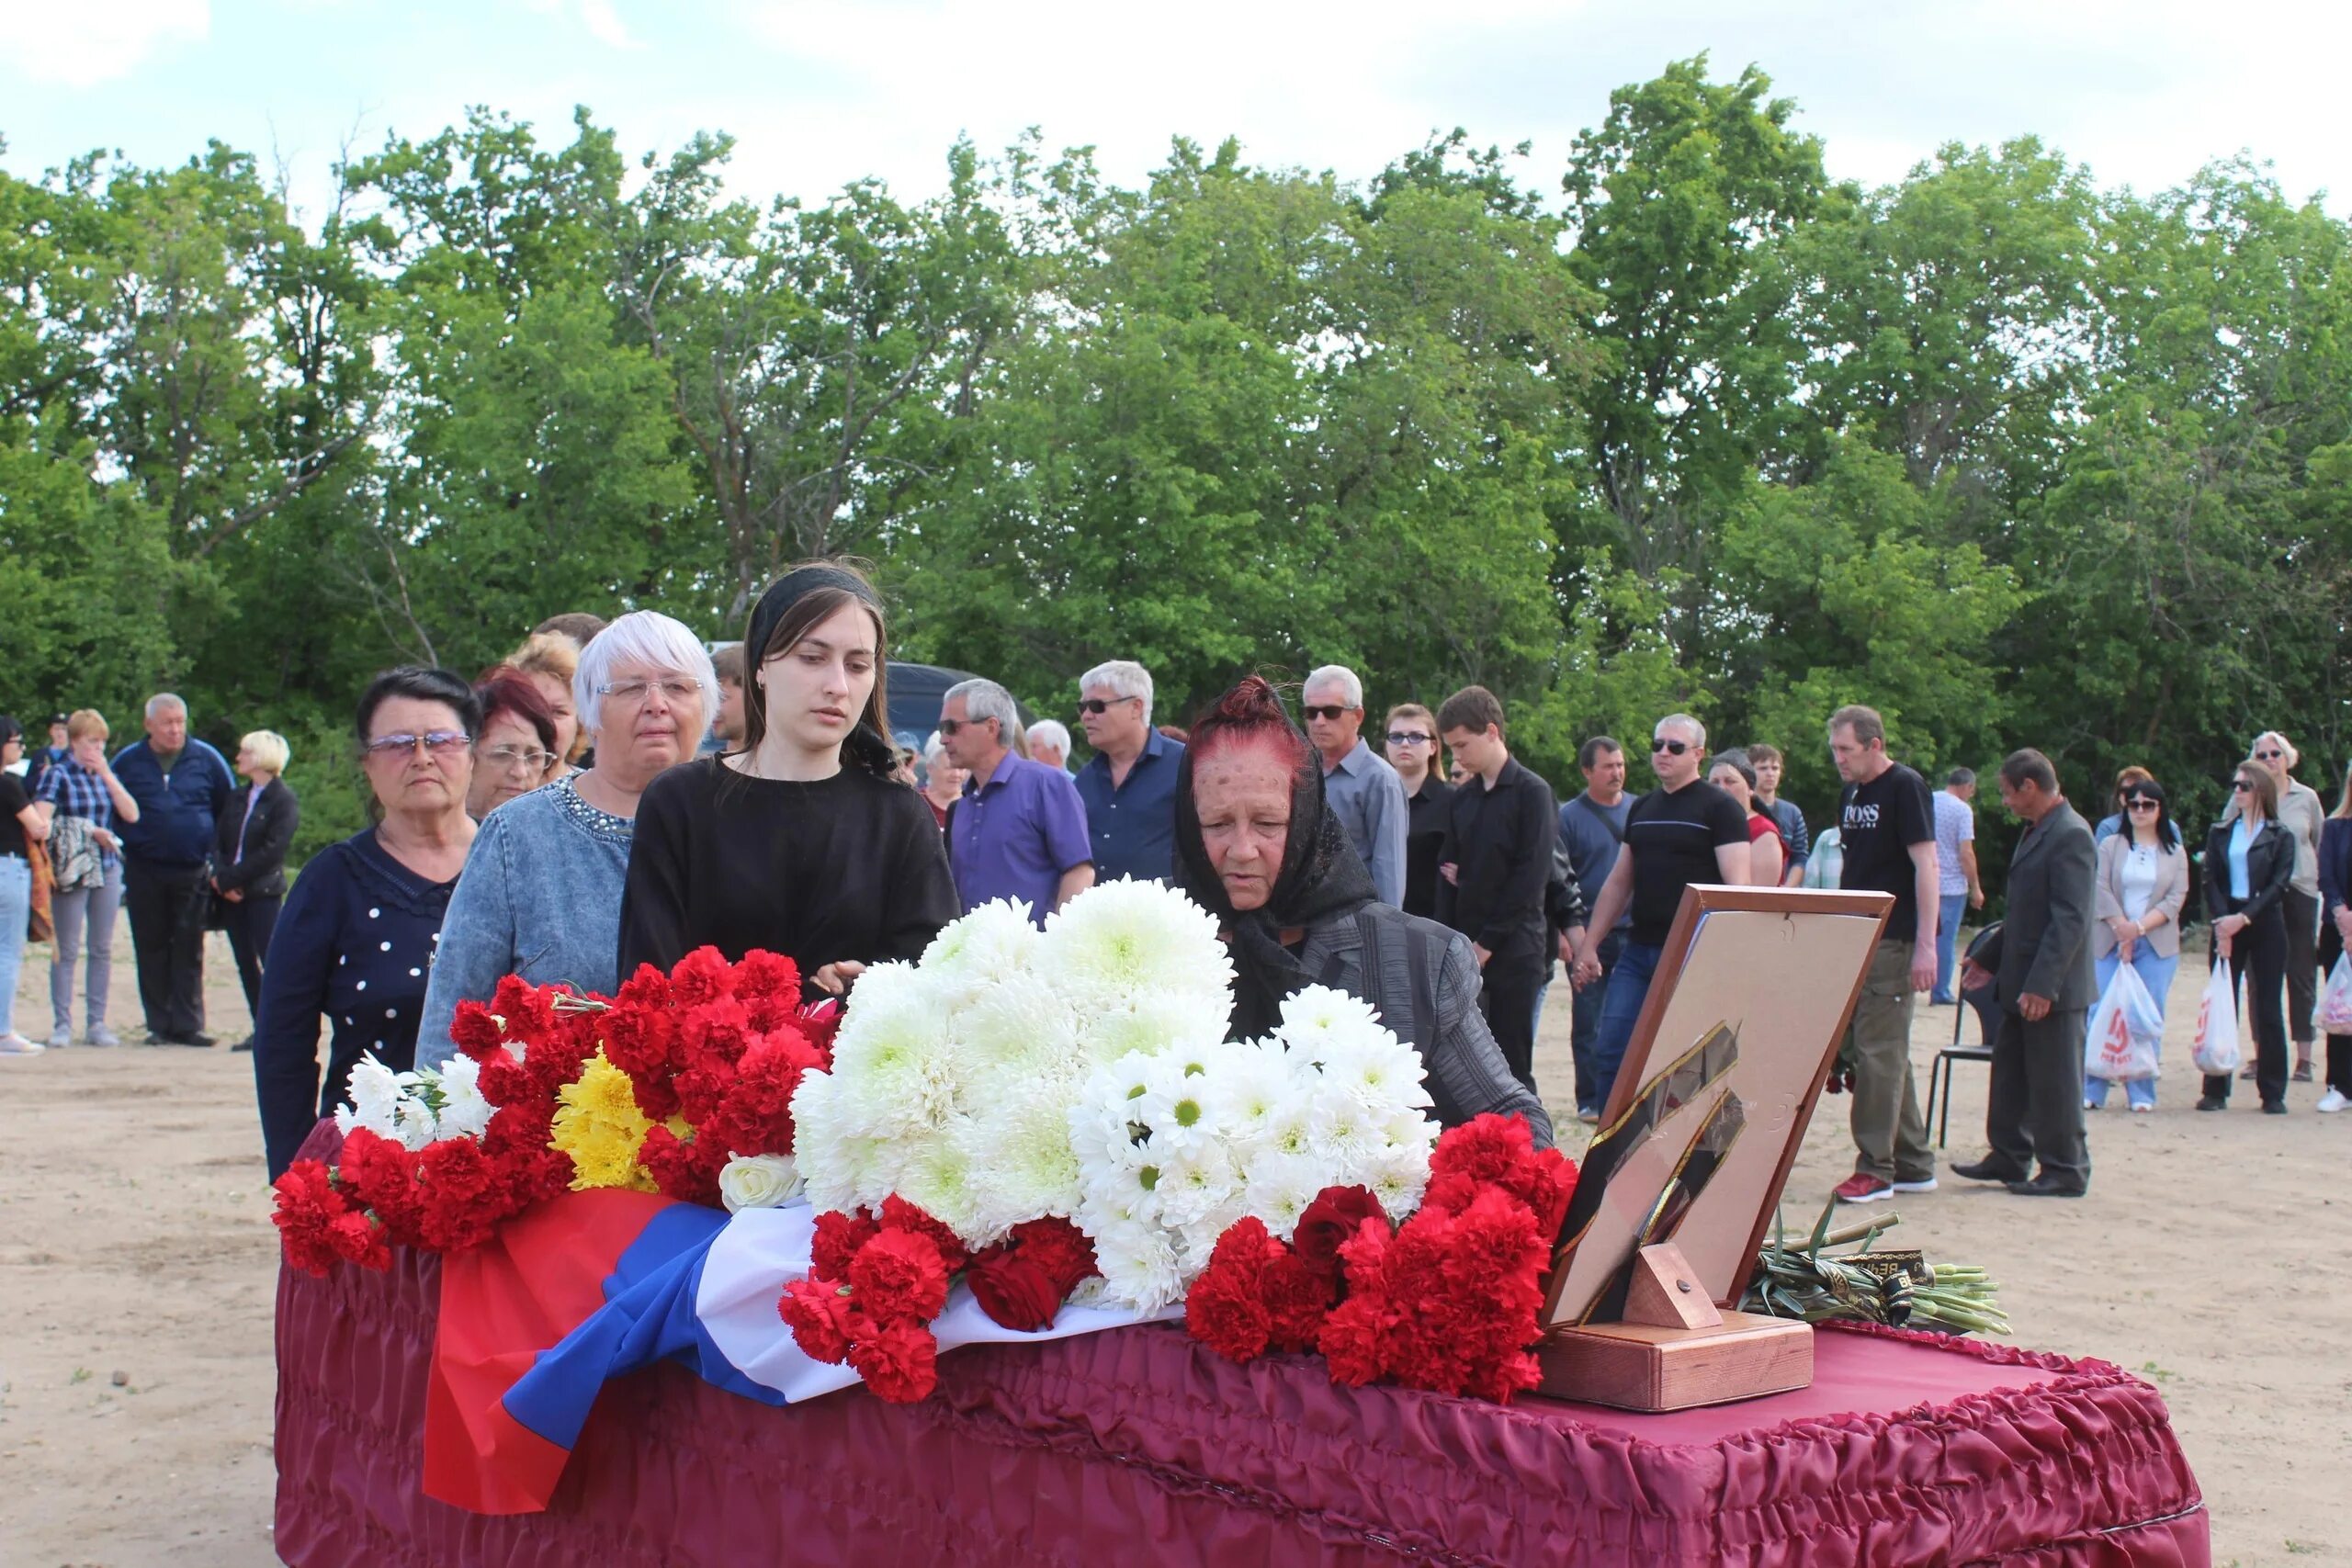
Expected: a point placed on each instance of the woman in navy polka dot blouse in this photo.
(354, 943)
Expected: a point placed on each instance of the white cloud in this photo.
(82, 45)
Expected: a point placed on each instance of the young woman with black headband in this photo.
(801, 842)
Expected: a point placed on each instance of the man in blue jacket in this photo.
(181, 785)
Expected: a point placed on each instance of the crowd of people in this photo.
(612, 795)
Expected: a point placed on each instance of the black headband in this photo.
(786, 592)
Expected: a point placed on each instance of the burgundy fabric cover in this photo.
(1139, 1444)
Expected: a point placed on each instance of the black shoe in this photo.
(2213, 1103)
(2274, 1108)
(200, 1041)
(2047, 1186)
(245, 1044)
(1988, 1169)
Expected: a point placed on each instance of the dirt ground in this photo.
(137, 1264)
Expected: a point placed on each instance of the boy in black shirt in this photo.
(1494, 870)
(1685, 830)
(1886, 827)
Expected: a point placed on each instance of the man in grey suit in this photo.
(2041, 963)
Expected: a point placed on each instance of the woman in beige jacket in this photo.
(2142, 883)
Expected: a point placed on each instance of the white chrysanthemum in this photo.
(1248, 1088)
(1126, 1186)
(1019, 1030)
(1398, 1178)
(1292, 1130)
(1345, 1136)
(1281, 1187)
(1378, 1070)
(842, 1169)
(1316, 1014)
(414, 1125)
(1022, 1147)
(898, 1070)
(1150, 1021)
(464, 1111)
(942, 1179)
(1197, 1183)
(994, 941)
(1409, 1132)
(1175, 1103)
(375, 1099)
(1139, 1265)
(1119, 938)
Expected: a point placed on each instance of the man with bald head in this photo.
(181, 785)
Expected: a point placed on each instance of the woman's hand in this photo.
(2229, 926)
(1586, 971)
(2343, 924)
(2127, 937)
(836, 978)
(105, 840)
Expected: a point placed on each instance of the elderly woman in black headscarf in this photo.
(1258, 848)
(801, 842)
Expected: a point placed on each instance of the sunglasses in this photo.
(2240, 786)
(440, 742)
(1408, 738)
(2139, 803)
(1326, 710)
(1672, 748)
(950, 726)
(1098, 705)
(2269, 756)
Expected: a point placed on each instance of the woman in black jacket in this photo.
(249, 858)
(2248, 862)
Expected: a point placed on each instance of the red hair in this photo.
(1250, 714)
(503, 689)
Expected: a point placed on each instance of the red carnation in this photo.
(381, 1175)
(900, 1361)
(475, 1032)
(1014, 1288)
(700, 977)
(1484, 1148)
(307, 1208)
(760, 974)
(648, 988)
(1450, 1194)
(820, 1316)
(682, 1169)
(838, 1237)
(900, 1273)
(720, 1028)
(1296, 1298)
(1352, 1339)
(1226, 1308)
(529, 1010)
(1060, 1248)
(897, 1214)
(1331, 1218)
(639, 1037)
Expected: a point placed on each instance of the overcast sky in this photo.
(821, 91)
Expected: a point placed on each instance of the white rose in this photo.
(758, 1181)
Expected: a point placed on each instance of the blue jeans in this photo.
(1621, 1009)
(15, 909)
(2156, 975)
(1948, 908)
(1590, 1096)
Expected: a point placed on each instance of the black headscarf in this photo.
(866, 746)
(1321, 876)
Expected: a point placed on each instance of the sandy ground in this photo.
(2214, 1257)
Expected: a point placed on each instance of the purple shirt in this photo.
(1015, 836)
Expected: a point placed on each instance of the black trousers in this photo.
(2036, 1104)
(1507, 996)
(2257, 956)
(166, 905)
(251, 921)
(2301, 910)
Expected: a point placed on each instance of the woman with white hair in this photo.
(248, 869)
(541, 894)
(800, 843)
(1049, 743)
(943, 780)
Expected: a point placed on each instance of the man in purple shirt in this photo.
(1019, 830)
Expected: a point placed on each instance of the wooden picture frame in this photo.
(1777, 971)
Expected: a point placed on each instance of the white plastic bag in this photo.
(2334, 1014)
(2216, 1051)
(2125, 1030)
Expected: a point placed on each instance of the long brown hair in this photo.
(2265, 792)
(848, 586)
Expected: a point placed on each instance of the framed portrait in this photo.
(1752, 996)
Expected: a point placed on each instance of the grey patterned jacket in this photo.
(1423, 981)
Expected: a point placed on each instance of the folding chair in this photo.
(1987, 1007)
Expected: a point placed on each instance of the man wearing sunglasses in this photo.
(1129, 785)
(1685, 830)
(1359, 784)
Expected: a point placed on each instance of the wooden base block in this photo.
(1634, 1366)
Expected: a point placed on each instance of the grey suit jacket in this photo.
(2044, 947)
(1423, 981)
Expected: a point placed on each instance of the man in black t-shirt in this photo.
(1685, 830)
(1886, 829)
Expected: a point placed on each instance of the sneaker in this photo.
(2331, 1102)
(2090, 1105)
(61, 1037)
(17, 1046)
(101, 1036)
(2245, 1073)
(1590, 1118)
(1923, 1184)
(1860, 1188)
(2302, 1072)
(2139, 1110)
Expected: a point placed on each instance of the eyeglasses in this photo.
(2269, 756)
(1100, 705)
(676, 688)
(1672, 748)
(950, 726)
(518, 759)
(1330, 711)
(2242, 786)
(440, 742)
(1408, 738)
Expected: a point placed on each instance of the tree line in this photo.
(1685, 423)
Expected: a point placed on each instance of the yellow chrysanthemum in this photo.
(599, 1125)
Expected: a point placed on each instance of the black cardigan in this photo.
(2269, 865)
(262, 873)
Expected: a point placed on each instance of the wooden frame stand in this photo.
(1675, 1348)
